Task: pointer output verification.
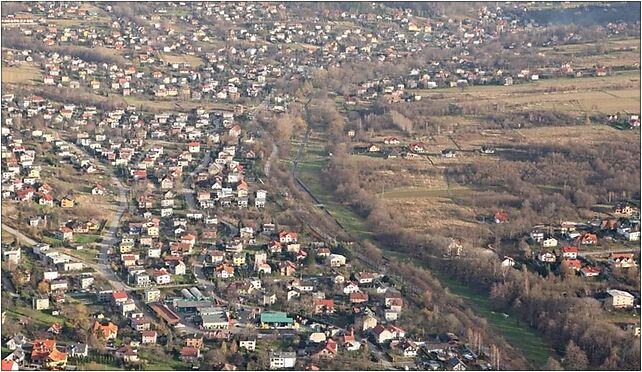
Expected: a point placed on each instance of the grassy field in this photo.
(23, 74)
(94, 366)
(312, 161)
(34, 315)
(518, 334)
(86, 238)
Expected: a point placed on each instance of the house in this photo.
(287, 268)
(16, 342)
(105, 330)
(248, 344)
(337, 260)
(328, 350)
(448, 153)
(508, 262)
(622, 260)
(358, 297)
(288, 237)
(323, 306)
(624, 209)
(190, 354)
(364, 278)
(179, 268)
(569, 253)
(455, 364)
(618, 299)
(317, 337)
(573, 264)
(282, 360)
(587, 239)
(351, 287)
(194, 341)
(404, 347)
(369, 322)
(40, 302)
(194, 147)
(547, 257)
(549, 243)
(66, 202)
(161, 276)
(98, 190)
(391, 141)
(45, 353)
(65, 233)
(10, 365)
(127, 353)
(167, 183)
(500, 217)
(224, 271)
(382, 334)
(78, 350)
(589, 271)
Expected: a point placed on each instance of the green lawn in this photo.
(162, 362)
(309, 172)
(95, 366)
(86, 238)
(38, 316)
(518, 334)
(83, 254)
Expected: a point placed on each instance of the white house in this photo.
(282, 360)
(549, 243)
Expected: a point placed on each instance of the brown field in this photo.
(194, 61)
(176, 105)
(23, 74)
(608, 94)
(586, 55)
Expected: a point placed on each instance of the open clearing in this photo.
(176, 105)
(23, 74)
(608, 94)
(194, 61)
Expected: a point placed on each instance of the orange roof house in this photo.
(107, 331)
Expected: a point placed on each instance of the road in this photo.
(268, 163)
(187, 184)
(110, 238)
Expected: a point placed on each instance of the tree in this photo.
(43, 287)
(553, 365)
(214, 357)
(574, 357)
(235, 347)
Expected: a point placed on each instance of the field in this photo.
(23, 74)
(6, 237)
(610, 94)
(176, 105)
(516, 333)
(194, 61)
(309, 170)
(610, 52)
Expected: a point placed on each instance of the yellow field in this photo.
(24, 74)
(165, 105)
(194, 61)
(608, 94)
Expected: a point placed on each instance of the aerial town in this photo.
(320, 186)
